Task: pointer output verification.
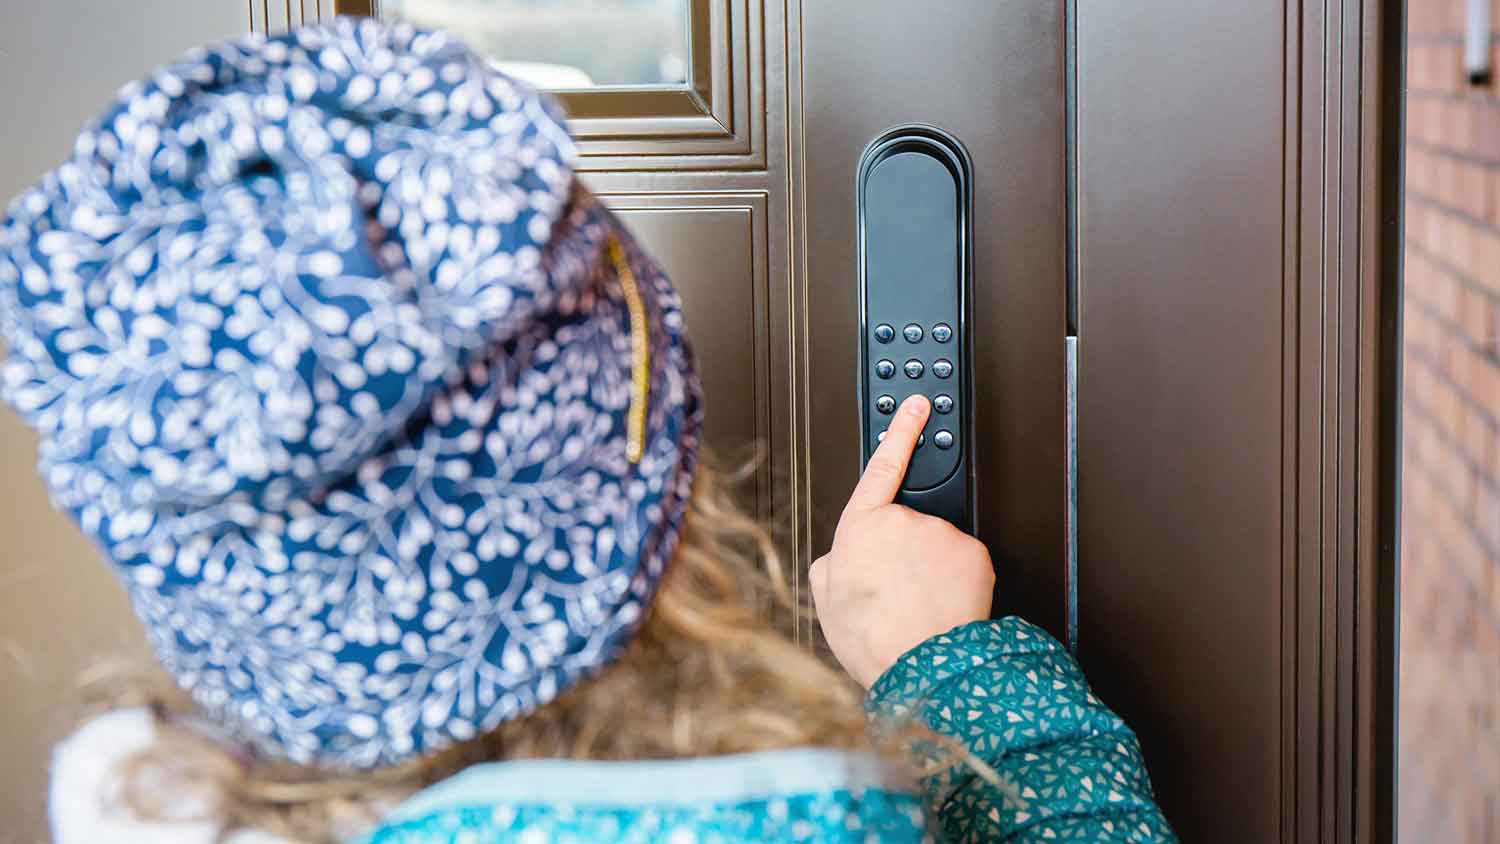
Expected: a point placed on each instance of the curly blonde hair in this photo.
(713, 670)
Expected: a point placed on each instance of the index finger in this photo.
(882, 478)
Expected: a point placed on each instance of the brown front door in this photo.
(1195, 203)
(1187, 201)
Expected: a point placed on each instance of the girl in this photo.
(391, 433)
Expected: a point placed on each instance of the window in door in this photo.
(569, 44)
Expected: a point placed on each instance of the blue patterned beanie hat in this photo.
(386, 425)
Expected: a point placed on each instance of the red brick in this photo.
(1458, 362)
(1430, 18)
(1446, 411)
(1479, 238)
(1451, 526)
(1437, 122)
(1493, 471)
(1478, 438)
(1490, 341)
(1417, 382)
(1443, 68)
(1448, 124)
(1434, 230)
(1471, 188)
(1424, 120)
(1416, 172)
(1416, 222)
(1493, 214)
(1494, 609)
(1459, 125)
(1446, 68)
(1489, 263)
(1447, 180)
(1458, 244)
(1487, 141)
(1450, 569)
(1486, 521)
(1416, 278)
(1416, 118)
(1487, 387)
(1474, 315)
(1417, 330)
(1418, 67)
(1442, 294)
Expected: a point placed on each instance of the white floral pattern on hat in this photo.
(325, 351)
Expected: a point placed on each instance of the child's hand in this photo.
(895, 577)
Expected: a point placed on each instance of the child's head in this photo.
(711, 670)
(388, 427)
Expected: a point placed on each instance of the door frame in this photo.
(1346, 71)
(1341, 186)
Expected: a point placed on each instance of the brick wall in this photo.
(1450, 568)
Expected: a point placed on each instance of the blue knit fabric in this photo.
(832, 817)
(326, 353)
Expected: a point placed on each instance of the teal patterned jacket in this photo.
(1054, 765)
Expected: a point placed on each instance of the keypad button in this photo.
(921, 440)
(912, 333)
(884, 333)
(880, 437)
(942, 368)
(913, 368)
(884, 369)
(942, 333)
(943, 404)
(943, 440)
(886, 404)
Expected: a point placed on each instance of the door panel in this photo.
(724, 302)
(1180, 358)
(1239, 232)
(992, 75)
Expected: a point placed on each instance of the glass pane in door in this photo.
(568, 44)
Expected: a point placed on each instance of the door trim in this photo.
(1239, 169)
(716, 122)
(1345, 70)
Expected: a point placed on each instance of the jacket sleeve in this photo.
(1063, 768)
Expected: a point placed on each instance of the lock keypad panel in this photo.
(915, 258)
(925, 371)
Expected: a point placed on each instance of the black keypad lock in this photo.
(915, 257)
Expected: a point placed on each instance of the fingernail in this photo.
(914, 404)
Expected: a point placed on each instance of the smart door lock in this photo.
(914, 199)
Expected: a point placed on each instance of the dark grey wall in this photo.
(60, 62)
